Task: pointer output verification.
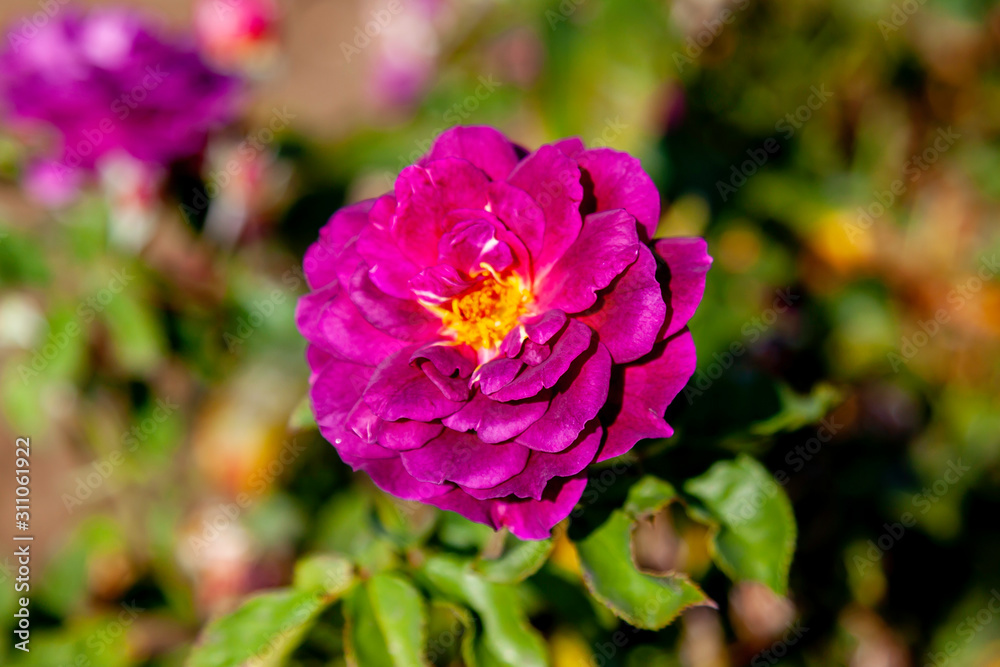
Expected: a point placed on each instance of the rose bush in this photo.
(500, 322)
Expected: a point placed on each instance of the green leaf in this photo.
(323, 573)
(263, 631)
(755, 536)
(387, 624)
(508, 638)
(451, 632)
(520, 560)
(643, 600)
(648, 496)
(798, 411)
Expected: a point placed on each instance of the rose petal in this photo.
(607, 245)
(399, 390)
(320, 261)
(643, 392)
(629, 315)
(399, 318)
(581, 394)
(494, 421)
(534, 519)
(330, 320)
(687, 263)
(570, 345)
(390, 476)
(543, 467)
(484, 147)
(553, 181)
(465, 459)
(619, 181)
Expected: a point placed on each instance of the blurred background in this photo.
(842, 157)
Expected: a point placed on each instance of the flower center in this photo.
(482, 315)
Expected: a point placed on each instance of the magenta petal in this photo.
(389, 268)
(494, 421)
(484, 147)
(457, 500)
(400, 318)
(450, 360)
(629, 315)
(426, 194)
(406, 434)
(534, 519)
(439, 284)
(521, 215)
(644, 391)
(328, 319)
(335, 396)
(571, 344)
(473, 242)
(621, 182)
(541, 328)
(582, 393)
(543, 467)
(553, 181)
(399, 390)
(607, 245)
(688, 262)
(465, 459)
(319, 263)
(571, 146)
(390, 476)
(494, 375)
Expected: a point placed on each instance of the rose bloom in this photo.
(500, 322)
(106, 82)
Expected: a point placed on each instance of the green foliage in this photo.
(754, 536)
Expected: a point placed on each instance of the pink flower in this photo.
(500, 322)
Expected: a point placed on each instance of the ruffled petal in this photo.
(484, 147)
(426, 194)
(570, 345)
(390, 476)
(607, 245)
(465, 459)
(321, 259)
(330, 320)
(619, 181)
(399, 318)
(534, 519)
(543, 467)
(643, 390)
(553, 181)
(687, 262)
(580, 396)
(494, 421)
(400, 390)
(629, 315)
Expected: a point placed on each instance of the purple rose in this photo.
(108, 82)
(500, 322)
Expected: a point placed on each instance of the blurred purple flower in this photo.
(109, 82)
(500, 322)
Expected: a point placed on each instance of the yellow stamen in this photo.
(482, 316)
